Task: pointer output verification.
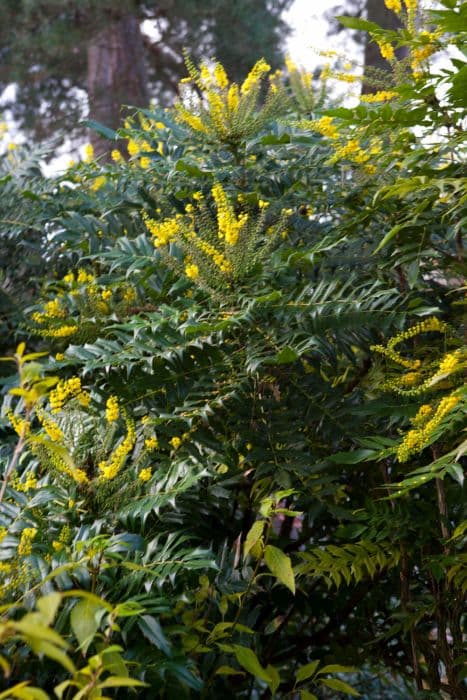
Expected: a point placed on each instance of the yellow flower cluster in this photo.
(229, 226)
(83, 277)
(386, 49)
(428, 325)
(20, 425)
(394, 5)
(220, 112)
(419, 55)
(112, 410)
(254, 76)
(110, 468)
(163, 232)
(218, 258)
(52, 309)
(70, 388)
(25, 543)
(62, 332)
(151, 443)
(116, 156)
(51, 427)
(324, 126)
(192, 271)
(415, 440)
(98, 182)
(27, 485)
(380, 96)
(352, 151)
(145, 474)
(88, 152)
(450, 362)
(175, 442)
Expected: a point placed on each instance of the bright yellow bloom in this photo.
(394, 5)
(175, 442)
(145, 474)
(380, 96)
(151, 443)
(324, 126)
(133, 147)
(98, 182)
(387, 50)
(192, 271)
(116, 156)
(25, 544)
(88, 152)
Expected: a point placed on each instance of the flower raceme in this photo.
(226, 112)
(215, 249)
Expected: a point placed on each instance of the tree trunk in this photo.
(116, 74)
(377, 12)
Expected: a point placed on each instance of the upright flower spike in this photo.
(226, 112)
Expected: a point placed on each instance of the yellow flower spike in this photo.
(221, 76)
(116, 156)
(254, 76)
(25, 544)
(112, 410)
(145, 162)
(233, 98)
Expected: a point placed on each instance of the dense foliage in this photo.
(233, 408)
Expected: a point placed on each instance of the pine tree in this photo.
(63, 55)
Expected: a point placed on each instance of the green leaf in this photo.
(356, 23)
(286, 356)
(121, 682)
(228, 671)
(152, 630)
(48, 606)
(305, 695)
(84, 622)
(280, 565)
(101, 129)
(306, 671)
(275, 678)
(337, 668)
(25, 692)
(254, 535)
(353, 457)
(341, 686)
(249, 661)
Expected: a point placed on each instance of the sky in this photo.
(309, 31)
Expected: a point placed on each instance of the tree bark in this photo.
(116, 75)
